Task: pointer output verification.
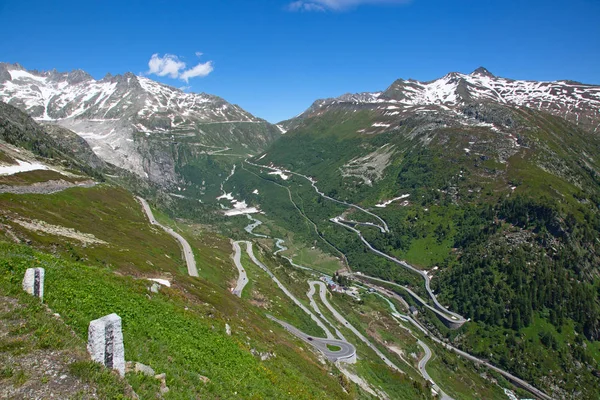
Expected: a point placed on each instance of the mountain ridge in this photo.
(574, 101)
(132, 121)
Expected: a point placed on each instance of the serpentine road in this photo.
(455, 319)
(237, 259)
(428, 354)
(287, 292)
(315, 307)
(344, 322)
(451, 316)
(519, 382)
(346, 352)
(187, 249)
(313, 182)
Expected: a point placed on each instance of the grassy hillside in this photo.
(171, 331)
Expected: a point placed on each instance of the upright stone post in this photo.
(105, 342)
(33, 282)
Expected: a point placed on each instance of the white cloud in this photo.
(305, 6)
(336, 5)
(171, 66)
(167, 65)
(201, 70)
(199, 54)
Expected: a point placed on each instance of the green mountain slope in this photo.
(502, 200)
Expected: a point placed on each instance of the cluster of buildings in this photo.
(336, 287)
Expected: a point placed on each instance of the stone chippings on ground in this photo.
(36, 373)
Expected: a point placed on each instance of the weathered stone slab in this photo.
(33, 282)
(105, 342)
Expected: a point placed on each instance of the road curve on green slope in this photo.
(346, 353)
(315, 306)
(285, 290)
(188, 254)
(344, 322)
(452, 317)
(422, 365)
(383, 227)
(242, 280)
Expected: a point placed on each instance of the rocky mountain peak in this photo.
(481, 71)
(77, 76)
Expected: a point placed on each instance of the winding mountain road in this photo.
(454, 318)
(314, 305)
(242, 280)
(346, 352)
(422, 365)
(344, 322)
(516, 380)
(313, 183)
(451, 316)
(287, 292)
(187, 249)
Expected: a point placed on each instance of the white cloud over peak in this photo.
(168, 65)
(171, 66)
(337, 5)
(201, 70)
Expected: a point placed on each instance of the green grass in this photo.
(110, 214)
(34, 332)
(427, 252)
(189, 343)
(331, 347)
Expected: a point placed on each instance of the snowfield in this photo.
(281, 174)
(23, 166)
(386, 203)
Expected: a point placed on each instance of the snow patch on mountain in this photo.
(22, 166)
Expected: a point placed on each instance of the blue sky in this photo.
(275, 57)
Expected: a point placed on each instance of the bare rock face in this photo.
(33, 282)
(105, 342)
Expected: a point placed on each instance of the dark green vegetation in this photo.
(511, 223)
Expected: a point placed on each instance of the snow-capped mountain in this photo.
(576, 102)
(112, 112)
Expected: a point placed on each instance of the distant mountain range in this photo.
(114, 114)
(577, 102)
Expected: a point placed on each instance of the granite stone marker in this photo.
(33, 282)
(105, 342)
